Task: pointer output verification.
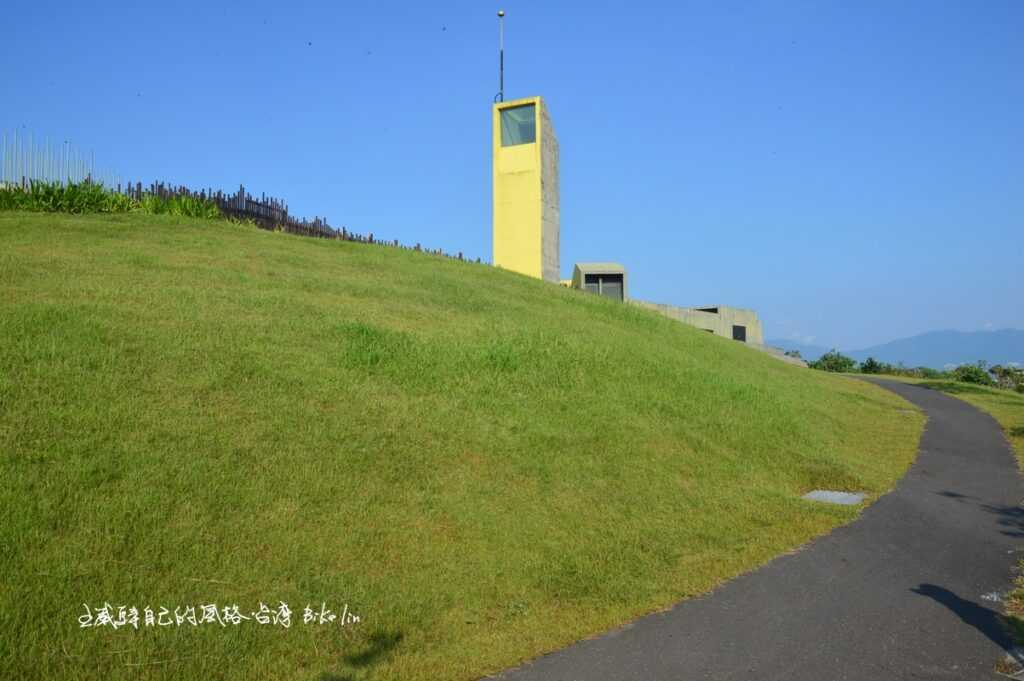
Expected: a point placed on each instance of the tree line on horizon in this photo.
(979, 373)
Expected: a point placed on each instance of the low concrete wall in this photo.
(720, 323)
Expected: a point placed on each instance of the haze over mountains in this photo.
(936, 349)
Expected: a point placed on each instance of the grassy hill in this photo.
(480, 465)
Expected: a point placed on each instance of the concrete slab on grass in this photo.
(831, 497)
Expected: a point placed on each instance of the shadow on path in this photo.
(1011, 519)
(989, 622)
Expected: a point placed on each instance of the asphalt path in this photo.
(904, 592)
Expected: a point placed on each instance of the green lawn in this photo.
(483, 467)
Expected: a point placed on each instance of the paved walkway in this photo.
(898, 594)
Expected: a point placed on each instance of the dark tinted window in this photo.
(518, 125)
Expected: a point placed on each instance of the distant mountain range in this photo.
(935, 349)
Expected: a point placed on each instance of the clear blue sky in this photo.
(854, 171)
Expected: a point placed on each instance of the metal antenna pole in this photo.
(501, 55)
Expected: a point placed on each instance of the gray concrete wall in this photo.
(719, 323)
(550, 263)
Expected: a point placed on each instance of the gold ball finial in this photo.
(501, 12)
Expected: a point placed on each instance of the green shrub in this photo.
(928, 372)
(1009, 377)
(91, 197)
(971, 373)
(186, 206)
(872, 366)
(833, 360)
(53, 197)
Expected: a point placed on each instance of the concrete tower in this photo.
(525, 189)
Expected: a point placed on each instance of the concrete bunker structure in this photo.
(606, 279)
(729, 322)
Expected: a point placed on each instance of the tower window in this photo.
(518, 125)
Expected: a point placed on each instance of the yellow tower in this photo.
(525, 189)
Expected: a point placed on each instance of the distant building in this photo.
(729, 322)
(525, 218)
(606, 279)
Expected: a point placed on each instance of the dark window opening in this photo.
(607, 285)
(739, 333)
(713, 310)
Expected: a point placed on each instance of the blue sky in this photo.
(852, 171)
